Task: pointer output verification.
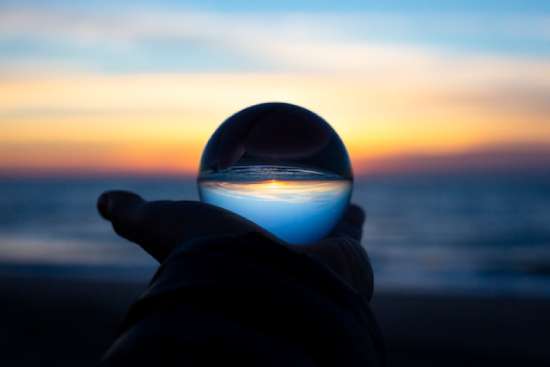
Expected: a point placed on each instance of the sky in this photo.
(91, 87)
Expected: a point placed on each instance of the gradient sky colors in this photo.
(137, 87)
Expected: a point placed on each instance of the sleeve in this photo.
(249, 301)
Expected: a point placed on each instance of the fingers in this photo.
(355, 215)
(159, 226)
(351, 224)
(347, 258)
(342, 252)
(361, 273)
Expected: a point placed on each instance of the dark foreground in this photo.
(57, 322)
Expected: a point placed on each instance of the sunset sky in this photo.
(137, 87)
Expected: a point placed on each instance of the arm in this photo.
(226, 289)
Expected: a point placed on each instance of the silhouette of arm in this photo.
(227, 290)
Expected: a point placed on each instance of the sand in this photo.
(64, 322)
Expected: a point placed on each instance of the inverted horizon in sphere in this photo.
(280, 166)
(298, 211)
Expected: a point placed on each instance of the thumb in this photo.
(160, 226)
(112, 205)
(125, 211)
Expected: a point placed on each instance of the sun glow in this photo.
(280, 190)
(143, 89)
(296, 211)
(155, 123)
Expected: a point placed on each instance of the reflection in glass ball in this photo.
(282, 167)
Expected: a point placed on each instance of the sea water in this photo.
(298, 205)
(472, 235)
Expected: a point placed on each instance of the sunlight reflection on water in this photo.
(297, 211)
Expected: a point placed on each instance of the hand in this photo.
(159, 226)
(343, 253)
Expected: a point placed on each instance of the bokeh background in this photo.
(444, 107)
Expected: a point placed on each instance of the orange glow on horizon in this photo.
(295, 191)
(160, 123)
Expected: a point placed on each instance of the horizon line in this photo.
(508, 158)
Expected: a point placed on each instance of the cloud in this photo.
(136, 41)
(285, 41)
(522, 99)
(135, 23)
(384, 96)
(516, 158)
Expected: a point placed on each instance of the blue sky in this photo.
(317, 5)
(141, 85)
(87, 35)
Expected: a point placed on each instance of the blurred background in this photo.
(444, 108)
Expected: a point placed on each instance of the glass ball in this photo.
(282, 167)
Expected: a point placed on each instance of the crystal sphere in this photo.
(282, 167)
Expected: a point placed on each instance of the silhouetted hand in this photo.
(159, 226)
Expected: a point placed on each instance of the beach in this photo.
(460, 264)
(433, 117)
(71, 322)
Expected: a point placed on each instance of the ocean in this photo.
(469, 234)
